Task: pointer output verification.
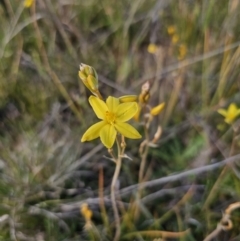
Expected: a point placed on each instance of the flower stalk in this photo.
(118, 162)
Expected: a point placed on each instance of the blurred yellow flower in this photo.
(182, 51)
(28, 3)
(157, 109)
(175, 38)
(113, 115)
(230, 114)
(86, 212)
(152, 48)
(171, 30)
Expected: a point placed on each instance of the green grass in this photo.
(46, 173)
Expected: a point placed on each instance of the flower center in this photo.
(110, 117)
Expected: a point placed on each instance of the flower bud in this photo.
(171, 30)
(82, 76)
(89, 77)
(152, 48)
(92, 82)
(128, 98)
(145, 93)
(157, 109)
(86, 212)
(175, 38)
(144, 98)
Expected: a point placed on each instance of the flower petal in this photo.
(99, 106)
(93, 131)
(137, 115)
(127, 130)
(112, 103)
(229, 120)
(232, 109)
(108, 135)
(126, 111)
(222, 112)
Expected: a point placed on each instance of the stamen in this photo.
(110, 117)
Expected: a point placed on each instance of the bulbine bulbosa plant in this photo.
(113, 127)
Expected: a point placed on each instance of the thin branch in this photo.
(177, 177)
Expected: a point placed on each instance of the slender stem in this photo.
(101, 199)
(113, 194)
(144, 153)
(143, 163)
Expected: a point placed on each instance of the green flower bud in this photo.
(89, 77)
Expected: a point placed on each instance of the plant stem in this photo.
(144, 153)
(113, 194)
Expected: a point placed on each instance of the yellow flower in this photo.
(157, 109)
(175, 38)
(28, 3)
(113, 115)
(231, 113)
(131, 98)
(86, 212)
(182, 51)
(152, 48)
(171, 30)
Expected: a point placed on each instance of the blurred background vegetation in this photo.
(190, 50)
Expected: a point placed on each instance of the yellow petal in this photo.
(229, 120)
(127, 130)
(128, 98)
(137, 115)
(126, 111)
(108, 135)
(157, 109)
(28, 3)
(232, 109)
(93, 131)
(112, 103)
(222, 112)
(92, 81)
(99, 106)
(82, 76)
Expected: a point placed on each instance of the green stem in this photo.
(113, 194)
(144, 154)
